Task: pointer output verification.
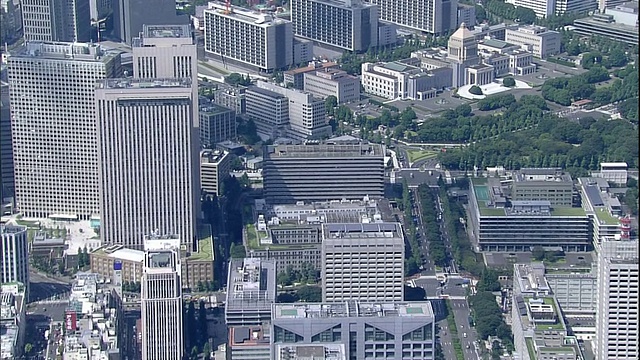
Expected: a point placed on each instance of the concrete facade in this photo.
(252, 291)
(333, 82)
(214, 168)
(57, 172)
(217, 124)
(537, 39)
(430, 16)
(15, 255)
(56, 20)
(269, 111)
(129, 16)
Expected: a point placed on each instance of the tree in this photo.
(206, 350)
(237, 251)
(538, 253)
(414, 293)
(238, 79)
(509, 82)
(463, 110)
(310, 294)
(475, 90)
(330, 103)
(28, 348)
(202, 322)
(194, 353)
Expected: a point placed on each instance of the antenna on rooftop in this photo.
(227, 6)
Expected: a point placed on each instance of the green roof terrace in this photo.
(253, 236)
(205, 245)
(604, 217)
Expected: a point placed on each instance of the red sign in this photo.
(70, 321)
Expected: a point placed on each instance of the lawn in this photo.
(205, 244)
(417, 155)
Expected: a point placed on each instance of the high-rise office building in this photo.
(11, 20)
(161, 299)
(347, 24)
(151, 188)
(56, 20)
(14, 258)
(257, 40)
(129, 16)
(617, 302)
(331, 170)
(363, 262)
(430, 16)
(6, 145)
(53, 125)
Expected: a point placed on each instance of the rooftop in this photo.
(12, 229)
(495, 43)
(65, 51)
(166, 31)
(244, 15)
(259, 90)
(315, 351)
(251, 283)
(205, 244)
(208, 156)
(311, 67)
(351, 309)
(131, 83)
(246, 336)
(323, 150)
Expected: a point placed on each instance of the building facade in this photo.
(363, 262)
(129, 16)
(257, 40)
(57, 171)
(11, 20)
(214, 168)
(152, 189)
(117, 263)
(252, 291)
(346, 24)
(430, 16)
(617, 306)
(217, 124)
(15, 255)
(381, 330)
(537, 39)
(333, 82)
(269, 111)
(56, 20)
(295, 78)
(161, 301)
(307, 114)
(7, 182)
(323, 172)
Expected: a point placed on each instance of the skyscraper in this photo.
(146, 165)
(363, 262)
(14, 258)
(56, 20)
(617, 300)
(54, 129)
(161, 299)
(6, 147)
(346, 24)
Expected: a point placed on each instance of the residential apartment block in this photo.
(367, 330)
(215, 166)
(345, 24)
(257, 40)
(53, 94)
(152, 121)
(307, 114)
(363, 262)
(322, 172)
(251, 291)
(429, 16)
(56, 20)
(333, 82)
(217, 123)
(537, 39)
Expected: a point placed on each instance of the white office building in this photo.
(333, 82)
(430, 16)
(152, 188)
(307, 114)
(161, 299)
(56, 20)
(614, 172)
(14, 257)
(546, 8)
(346, 24)
(362, 262)
(53, 124)
(258, 40)
(537, 39)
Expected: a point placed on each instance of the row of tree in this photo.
(437, 249)
(564, 90)
(307, 274)
(487, 315)
(413, 253)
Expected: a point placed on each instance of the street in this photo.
(43, 287)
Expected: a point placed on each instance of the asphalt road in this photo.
(461, 312)
(46, 288)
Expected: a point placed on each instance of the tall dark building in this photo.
(6, 148)
(130, 15)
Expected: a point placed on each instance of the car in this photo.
(468, 346)
(464, 335)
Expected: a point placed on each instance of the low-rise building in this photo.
(269, 111)
(214, 168)
(249, 342)
(251, 291)
(117, 263)
(394, 330)
(302, 51)
(295, 77)
(93, 320)
(606, 25)
(505, 58)
(603, 208)
(404, 79)
(333, 82)
(613, 172)
(231, 98)
(497, 31)
(12, 320)
(540, 41)
(300, 351)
